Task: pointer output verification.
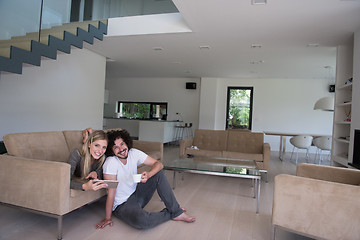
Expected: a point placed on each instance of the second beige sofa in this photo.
(321, 202)
(238, 144)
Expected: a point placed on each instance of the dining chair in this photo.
(301, 142)
(322, 143)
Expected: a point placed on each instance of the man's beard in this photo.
(119, 155)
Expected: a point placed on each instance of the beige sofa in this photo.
(320, 202)
(238, 144)
(35, 175)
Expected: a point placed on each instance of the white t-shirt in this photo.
(124, 173)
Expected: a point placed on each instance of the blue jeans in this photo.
(132, 211)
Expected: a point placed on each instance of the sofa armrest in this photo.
(148, 147)
(266, 154)
(185, 143)
(329, 173)
(35, 184)
(316, 208)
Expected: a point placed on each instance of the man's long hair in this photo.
(116, 134)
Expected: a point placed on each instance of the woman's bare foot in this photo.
(185, 218)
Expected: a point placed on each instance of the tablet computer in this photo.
(110, 183)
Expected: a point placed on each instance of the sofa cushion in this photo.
(214, 140)
(38, 145)
(79, 198)
(248, 156)
(245, 142)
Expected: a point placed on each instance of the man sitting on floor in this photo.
(128, 199)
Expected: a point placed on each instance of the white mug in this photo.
(136, 178)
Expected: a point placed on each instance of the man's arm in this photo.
(109, 204)
(155, 165)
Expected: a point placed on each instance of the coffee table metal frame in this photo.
(256, 179)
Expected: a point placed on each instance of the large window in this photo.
(239, 108)
(142, 110)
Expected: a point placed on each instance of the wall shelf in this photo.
(345, 86)
(342, 140)
(344, 104)
(343, 122)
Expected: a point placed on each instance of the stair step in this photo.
(26, 45)
(5, 52)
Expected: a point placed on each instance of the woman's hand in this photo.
(90, 185)
(104, 223)
(92, 175)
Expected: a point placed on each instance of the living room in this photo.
(68, 94)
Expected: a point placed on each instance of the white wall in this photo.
(62, 94)
(207, 113)
(280, 105)
(170, 90)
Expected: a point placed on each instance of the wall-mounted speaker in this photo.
(191, 85)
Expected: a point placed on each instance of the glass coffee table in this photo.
(226, 167)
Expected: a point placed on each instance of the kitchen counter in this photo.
(151, 120)
(146, 130)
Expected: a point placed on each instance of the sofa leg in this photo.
(60, 227)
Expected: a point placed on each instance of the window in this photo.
(239, 108)
(142, 110)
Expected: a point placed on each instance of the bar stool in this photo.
(179, 131)
(183, 132)
(188, 131)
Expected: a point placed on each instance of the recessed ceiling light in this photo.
(256, 46)
(258, 2)
(158, 48)
(257, 62)
(313, 45)
(205, 47)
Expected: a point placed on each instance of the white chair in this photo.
(322, 143)
(301, 142)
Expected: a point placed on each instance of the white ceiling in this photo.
(283, 28)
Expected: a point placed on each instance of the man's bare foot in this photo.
(185, 218)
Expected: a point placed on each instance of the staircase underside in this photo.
(27, 49)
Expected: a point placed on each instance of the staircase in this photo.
(27, 49)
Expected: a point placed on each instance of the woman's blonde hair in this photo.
(85, 152)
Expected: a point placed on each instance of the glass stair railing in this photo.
(25, 49)
(24, 42)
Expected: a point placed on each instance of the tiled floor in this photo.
(223, 206)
